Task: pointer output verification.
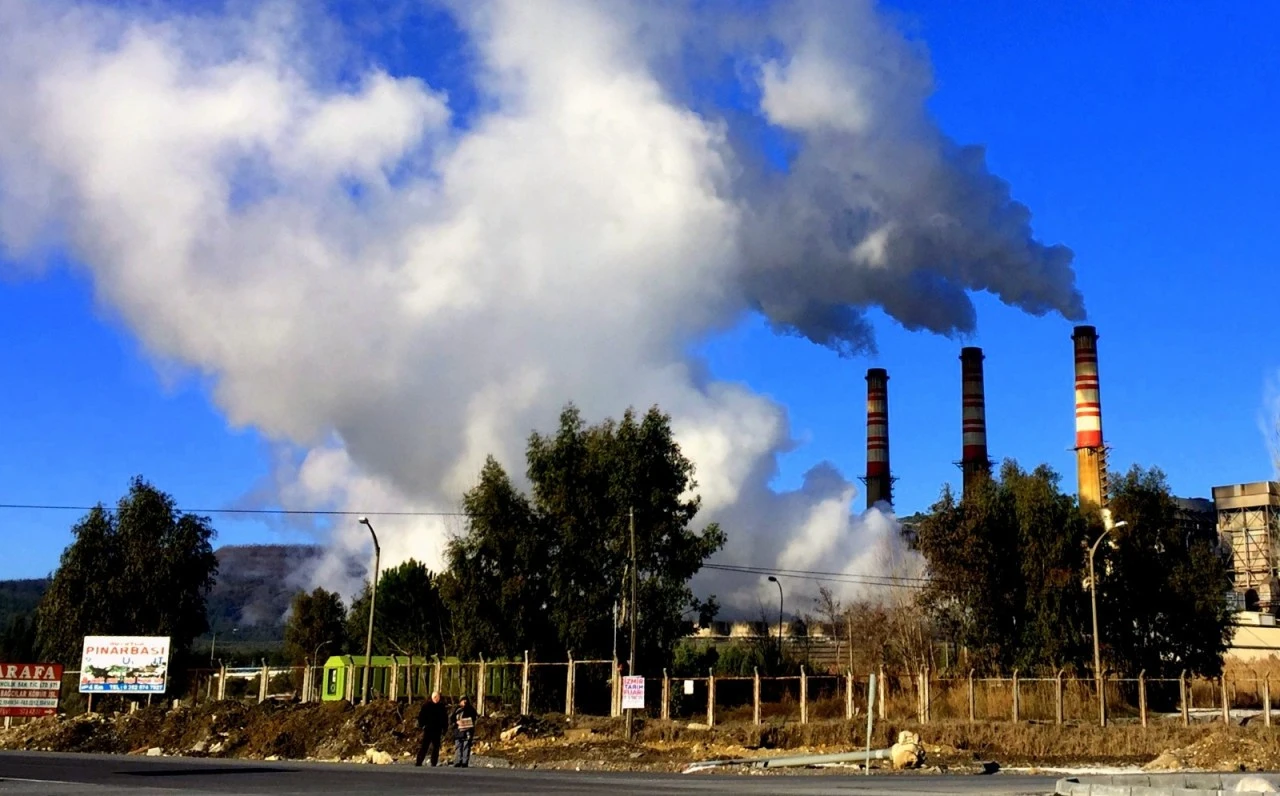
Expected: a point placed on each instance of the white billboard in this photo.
(124, 664)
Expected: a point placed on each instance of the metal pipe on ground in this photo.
(794, 760)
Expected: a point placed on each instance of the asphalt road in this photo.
(57, 774)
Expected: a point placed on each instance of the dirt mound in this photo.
(1222, 750)
(332, 731)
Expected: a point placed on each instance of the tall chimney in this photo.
(879, 484)
(974, 462)
(1091, 455)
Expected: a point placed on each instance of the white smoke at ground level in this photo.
(398, 298)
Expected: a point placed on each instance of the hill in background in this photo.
(246, 606)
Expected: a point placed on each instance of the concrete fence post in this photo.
(262, 685)
(1102, 698)
(711, 697)
(1058, 700)
(1015, 697)
(482, 682)
(1266, 702)
(525, 696)
(804, 696)
(222, 682)
(666, 696)
(848, 693)
(926, 694)
(1226, 703)
(973, 700)
(881, 696)
(1184, 694)
(615, 701)
(437, 676)
(569, 686)
(393, 691)
(919, 678)
(1142, 697)
(755, 695)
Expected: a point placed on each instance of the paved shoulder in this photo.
(58, 774)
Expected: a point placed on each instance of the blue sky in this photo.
(1139, 134)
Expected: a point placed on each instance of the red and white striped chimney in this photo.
(879, 484)
(1090, 452)
(974, 462)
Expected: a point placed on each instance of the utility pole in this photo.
(635, 593)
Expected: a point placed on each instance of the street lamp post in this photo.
(373, 600)
(1108, 527)
(214, 644)
(315, 658)
(777, 583)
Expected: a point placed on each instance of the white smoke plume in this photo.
(396, 295)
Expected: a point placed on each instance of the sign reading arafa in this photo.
(30, 689)
(127, 664)
(633, 693)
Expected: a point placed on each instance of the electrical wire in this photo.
(284, 512)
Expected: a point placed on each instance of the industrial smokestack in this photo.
(879, 484)
(1091, 455)
(974, 462)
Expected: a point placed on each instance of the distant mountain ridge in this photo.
(255, 585)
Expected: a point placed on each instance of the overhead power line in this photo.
(298, 512)
(832, 577)
(829, 577)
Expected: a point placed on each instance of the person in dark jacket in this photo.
(433, 718)
(464, 732)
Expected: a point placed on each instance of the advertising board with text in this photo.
(124, 664)
(633, 693)
(30, 689)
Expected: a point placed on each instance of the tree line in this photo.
(1005, 583)
(546, 571)
(541, 571)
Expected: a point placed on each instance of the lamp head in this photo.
(364, 520)
(772, 579)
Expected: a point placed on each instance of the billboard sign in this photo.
(633, 693)
(30, 689)
(124, 664)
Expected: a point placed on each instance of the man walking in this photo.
(432, 720)
(464, 732)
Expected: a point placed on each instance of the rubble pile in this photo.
(1222, 751)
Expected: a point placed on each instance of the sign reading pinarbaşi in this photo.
(126, 664)
(30, 689)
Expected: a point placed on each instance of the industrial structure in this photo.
(975, 464)
(878, 480)
(1249, 527)
(1091, 453)
(1243, 518)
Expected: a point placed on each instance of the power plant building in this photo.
(1249, 527)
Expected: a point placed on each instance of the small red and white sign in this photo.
(30, 689)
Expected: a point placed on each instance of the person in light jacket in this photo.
(464, 732)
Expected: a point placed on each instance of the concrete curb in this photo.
(1165, 784)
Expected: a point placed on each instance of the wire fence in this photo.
(594, 688)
